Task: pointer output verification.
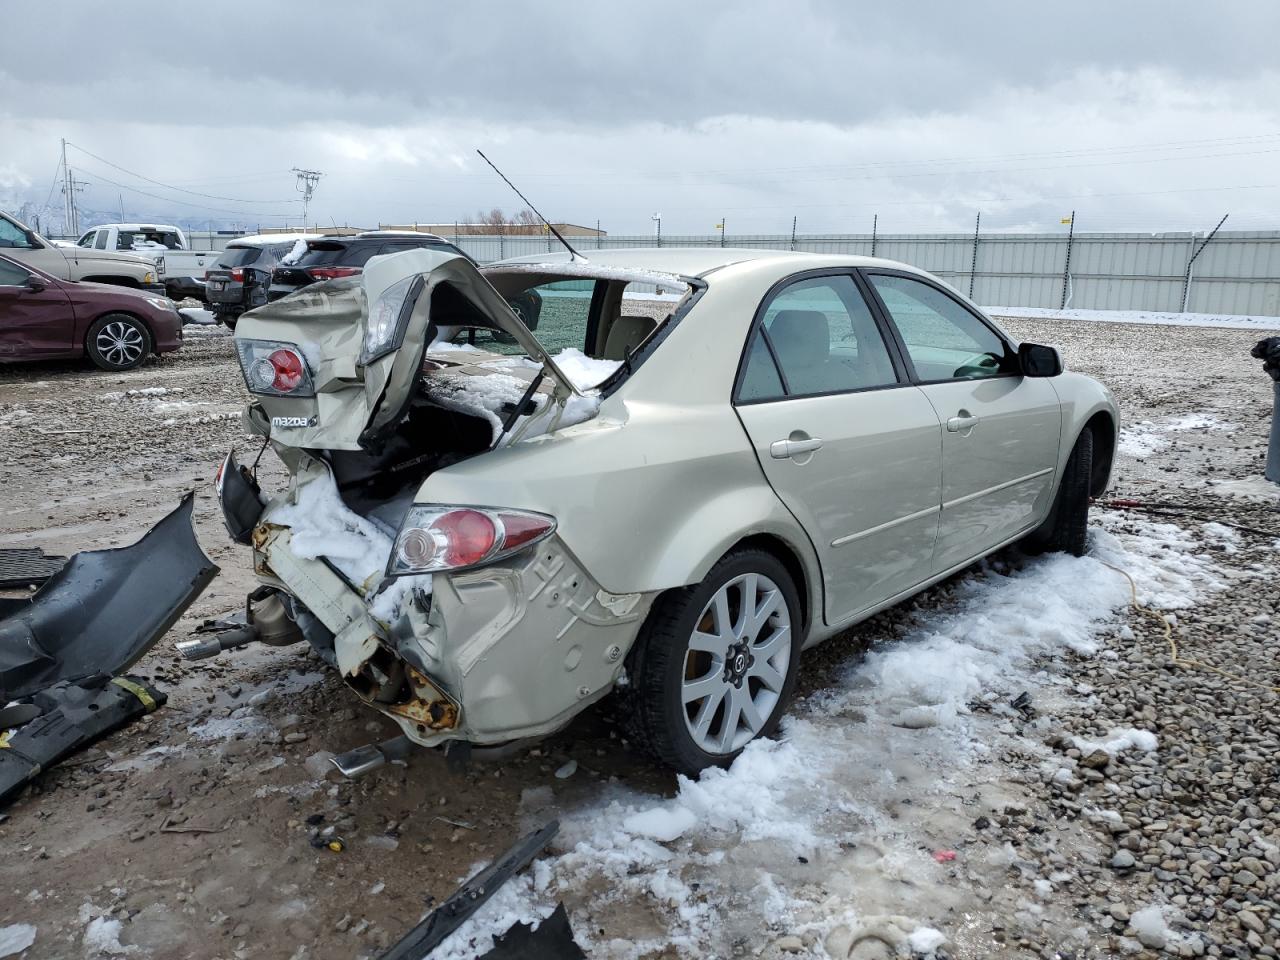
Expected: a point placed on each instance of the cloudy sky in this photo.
(1138, 115)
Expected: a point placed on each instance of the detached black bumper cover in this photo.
(71, 716)
(105, 609)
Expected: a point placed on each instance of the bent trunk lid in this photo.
(358, 401)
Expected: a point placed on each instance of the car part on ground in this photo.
(102, 611)
(27, 566)
(551, 939)
(418, 943)
(68, 717)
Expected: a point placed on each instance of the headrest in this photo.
(801, 337)
(627, 332)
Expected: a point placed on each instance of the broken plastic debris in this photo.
(944, 856)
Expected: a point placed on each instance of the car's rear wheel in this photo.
(1066, 528)
(716, 664)
(118, 341)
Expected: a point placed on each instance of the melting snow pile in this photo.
(322, 525)
(15, 938)
(830, 791)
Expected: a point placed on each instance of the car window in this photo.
(824, 339)
(557, 313)
(87, 239)
(944, 340)
(238, 256)
(101, 242)
(338, 255)
(12, 236)
(12, 275)
(760, 380)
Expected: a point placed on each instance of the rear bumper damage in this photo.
(507, 652)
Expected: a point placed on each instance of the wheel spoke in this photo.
(778, 641)
(706, 686)
(750, 714)
(702, 725)
(767, 607)
(720, 613)
(712, 643)
(767, 674)
(729, 729)
(749, 590)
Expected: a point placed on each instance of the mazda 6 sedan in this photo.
(704, 462)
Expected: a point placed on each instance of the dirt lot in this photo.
(190, 833)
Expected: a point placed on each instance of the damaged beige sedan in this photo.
(665, 472)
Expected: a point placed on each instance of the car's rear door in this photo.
(1001, 429)
(849, 445)
(34, 322)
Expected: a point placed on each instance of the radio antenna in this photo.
(545, 222)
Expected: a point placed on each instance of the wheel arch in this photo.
(1103, 426)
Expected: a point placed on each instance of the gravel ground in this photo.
(189, 834)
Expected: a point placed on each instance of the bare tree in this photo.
(496, 221)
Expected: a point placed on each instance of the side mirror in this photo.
(35, 285)
(1035, 360)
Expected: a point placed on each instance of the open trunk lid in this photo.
(362, 340)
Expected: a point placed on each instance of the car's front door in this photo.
(1000, 430)
(36, 319)
(850, 447)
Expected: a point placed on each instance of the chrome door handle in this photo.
(961, 424)
(786, 449)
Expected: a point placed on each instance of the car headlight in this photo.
(161, 303)
(148, 277)
(437, 538)
(384, 331)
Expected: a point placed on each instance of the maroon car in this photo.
(42, 318)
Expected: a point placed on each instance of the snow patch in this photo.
(1118, 741)
(663, 824)
(15, 938)
(925, 940)
(322, 525)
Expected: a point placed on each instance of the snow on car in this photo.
(486, 530)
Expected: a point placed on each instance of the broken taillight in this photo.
(274, 369)
(437, 539)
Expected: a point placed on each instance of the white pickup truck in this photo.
(19, 241)
(181, 269)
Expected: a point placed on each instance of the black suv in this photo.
(242, 274)
(328, 258)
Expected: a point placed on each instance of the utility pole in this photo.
(307, 180)
(70, 186)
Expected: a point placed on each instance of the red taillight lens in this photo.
(274, 368)
(439, 539)
(331, 273)
(237, 274)
(469, 536)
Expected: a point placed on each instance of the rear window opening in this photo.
(239, 256)
(147, 240)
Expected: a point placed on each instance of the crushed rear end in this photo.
(460, 621)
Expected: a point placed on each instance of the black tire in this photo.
(118, 341)
(656, 717)
(1066, 529)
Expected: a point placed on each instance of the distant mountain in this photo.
(48, 220)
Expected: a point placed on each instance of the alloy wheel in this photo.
(120, 343)
(736, 664)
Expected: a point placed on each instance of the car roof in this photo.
(700, 261)
(158, 227)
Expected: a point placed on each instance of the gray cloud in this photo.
(754, 110)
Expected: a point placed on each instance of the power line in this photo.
(188, 203)
(170, 186)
